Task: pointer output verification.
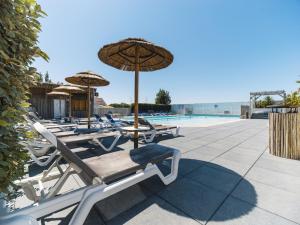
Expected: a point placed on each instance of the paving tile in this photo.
(111, 207)
(278, 164)
(240, 157)
(63, 217)
(236, 212)
(283, 181)
(218, 179)
(200, 154)
(196, 200)
(278, 201)
(151, 212)
(230, 166)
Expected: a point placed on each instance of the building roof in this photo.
(100, 101)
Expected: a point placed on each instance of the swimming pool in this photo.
(196, 120)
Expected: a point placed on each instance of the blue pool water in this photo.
(195, 120)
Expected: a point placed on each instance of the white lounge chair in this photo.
(156, 129)
(39, 149)
(103, 177)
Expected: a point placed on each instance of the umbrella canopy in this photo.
(69, 89)
(135, 54)
(122, 55)
(88, 79)
(57, 93)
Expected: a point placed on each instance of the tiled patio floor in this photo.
(226, 176)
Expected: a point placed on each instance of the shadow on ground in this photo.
(194, 194)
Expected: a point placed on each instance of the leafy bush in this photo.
(19, 30)
(265, 102)
(120, 105)
(293, 100)
(152, 108)
(163, 97)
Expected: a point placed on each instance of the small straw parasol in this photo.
(70, 90)
(88, 79)
(135, 54)
(58, 94)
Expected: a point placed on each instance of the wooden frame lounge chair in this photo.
(103, 177)
(156, 130)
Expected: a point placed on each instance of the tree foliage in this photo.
(19, 30)
(47, 78)
(268, 100)
(163, 97)
(293, 100)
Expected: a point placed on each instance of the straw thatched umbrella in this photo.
(58, 94)
(88, 79)
(71, 90)
(135, 54)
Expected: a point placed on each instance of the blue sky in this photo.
(223, 49)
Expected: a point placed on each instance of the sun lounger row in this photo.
(103, 175)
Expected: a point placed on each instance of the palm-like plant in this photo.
(293, 100)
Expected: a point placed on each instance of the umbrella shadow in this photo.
(192, 198)
(172, 200)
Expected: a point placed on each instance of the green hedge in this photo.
(152, 108)
(120, 105)
(19, 28)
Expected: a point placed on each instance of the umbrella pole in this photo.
(59, 108)
(70, 107)
(136, 97)
(89, 105)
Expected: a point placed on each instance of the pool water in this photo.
(191, 120)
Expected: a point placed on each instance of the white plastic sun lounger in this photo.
(103, 177)
(155, 130)
(96, 138)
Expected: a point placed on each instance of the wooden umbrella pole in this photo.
(59, 107)
(70, 107)
(136, 96)
(89, 105)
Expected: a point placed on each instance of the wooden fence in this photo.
(284, 139)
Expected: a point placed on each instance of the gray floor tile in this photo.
(231, 166)
(194, 199)
(236, 212)
(111, 207)
(278, 201)
(218, 179)
(151, 212)
(279, 180)
(278, 164)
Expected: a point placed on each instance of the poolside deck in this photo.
(226, 176)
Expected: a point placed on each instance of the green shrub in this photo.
(293, 100)
(19, 30)
(265, 102)
(120, 105)
(152, 108)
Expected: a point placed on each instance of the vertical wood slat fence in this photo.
(284, 135)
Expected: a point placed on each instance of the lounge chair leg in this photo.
(111, 146)
(56, 188)
(55, 164)
(174, 169)
(151, 138)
